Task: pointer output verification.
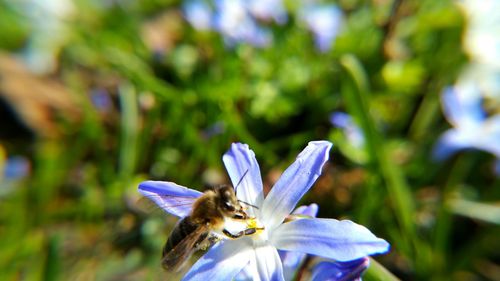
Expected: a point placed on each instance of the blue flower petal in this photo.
(324, 21)
(240, 163)
(235, 23)
(462, 106)
(351, 130)
(294, 182)
(171, 197)
(198, 14)
(244, 274)
(292, 260)
(268, 10)
(496, 167)
(329, 238)
(340, 271)
(268, 263)
(222, 262)
(450, 142)
(308, 211)
(488, 138)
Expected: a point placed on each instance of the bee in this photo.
(204, 226)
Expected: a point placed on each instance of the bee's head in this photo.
(229, 204)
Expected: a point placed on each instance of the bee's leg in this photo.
(248, 231)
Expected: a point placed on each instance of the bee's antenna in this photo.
(248, 204)
(241, 179)
(238, 184)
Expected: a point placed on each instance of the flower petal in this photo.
(324, 21)
(244, 172)
(337, 271)
(294, 182)
(171, 197)
(291, 260)
(496, 167)
(265, 265)
(462, 105)
(452, 141)
(198, 14)
(222, 262)
(489, 136)
(351, 130)
(329, 238)
(308, 211)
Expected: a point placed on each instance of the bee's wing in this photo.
(178, 255)
(173, 198)
(177, 206)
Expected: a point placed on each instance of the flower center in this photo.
(261, 234)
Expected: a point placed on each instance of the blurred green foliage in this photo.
(152, 98)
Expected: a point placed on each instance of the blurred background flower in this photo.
(472, 106)
(324, 21)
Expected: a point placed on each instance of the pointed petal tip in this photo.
(321, 145)
(145, 185)
(239, 145)
(383, 247)
(319, 152)
(244, 171)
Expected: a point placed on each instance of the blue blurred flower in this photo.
(16, 167)
(351, 130)
(497, 167)
(101, 100)
(234, 21)
(257, 254)
(238, 20)
(215, 129)
(198, 14)
(471, 126)
(324, 21)
(480, 81)
(268, 10)
(340, 271)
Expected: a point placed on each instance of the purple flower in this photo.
(340, 271)
(16, 167)
(236, 20)
(257, 254)
(324, 21)
(198, 14)
(213, 130)
(471, 127)
(351, 130)
(101, 100)
(268, 10)
(235, 23)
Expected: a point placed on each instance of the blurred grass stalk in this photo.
(355, 90)
(377, 272)
(129, 130)
(475, 210)
(444, 222)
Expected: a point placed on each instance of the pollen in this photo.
(254, 223)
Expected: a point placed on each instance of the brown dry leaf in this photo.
(37, 101)
(161, 33)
